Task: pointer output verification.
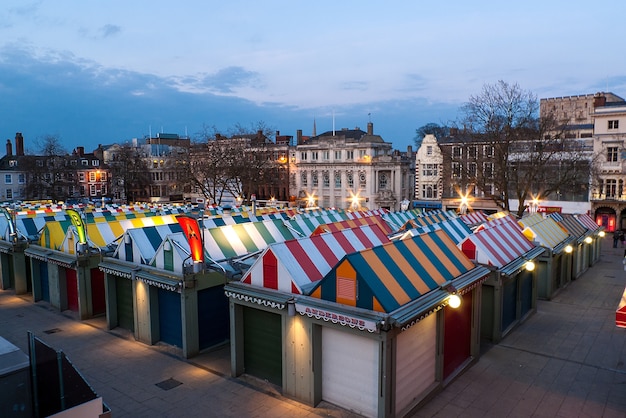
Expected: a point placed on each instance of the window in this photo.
(95, 163)
(456, 170)
(303, 156)
(350, 155)
(337, 155)
(326, 155)
(613, 124)
(362, 180)
(84, 162)
(39, 163)
(611, 188)
(456, 152)
(488, 170)
(81, 176)
(611, 154)
(12, 163)
(429, 150)
(350, 178)
(326, 179)
(313, 155)
(472, 170)
(92, 189)
(73, 162)
(92, 176)
(429, 191)
(8, 179)
(337, 179)
(21, 178)
(314, 179)
(9, 193)
(472, 152)
(303, 178)
(429, 170)
(361, 153)
(103, 176)
(382, 181)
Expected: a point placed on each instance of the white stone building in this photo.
(349, 169)
(428, 173)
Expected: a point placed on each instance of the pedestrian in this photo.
(615, 238)
(622, 237)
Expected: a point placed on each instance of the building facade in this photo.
(351, 169)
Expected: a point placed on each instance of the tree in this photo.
(531, 156)
(47, 173)
(130, 177)
(431, 129)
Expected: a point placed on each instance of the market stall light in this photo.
(569, 249)
(530, 265)
(454, 301)
(588, 240)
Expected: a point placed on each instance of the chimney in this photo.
(299, 137)
(19, 144)
(80, 151)
(370, 128)
(409, 150)
(9, 148)
(599, 100)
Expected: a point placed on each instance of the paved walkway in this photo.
(567, 360)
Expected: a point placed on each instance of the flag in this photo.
(192, 232)
(78, 223)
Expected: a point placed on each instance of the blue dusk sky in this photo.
(99, 72)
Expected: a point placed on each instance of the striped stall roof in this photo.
(366, 213)
(397, 219)
(588, 223)
(232, 241)
(497, 246)
(545, 231)
(353, 223)
(427, 219)
(474, 218)
(292, 266)
(573, 226)
(389, 276)
(491, 223)
(144, 242)
(497, 215)
(456, 229)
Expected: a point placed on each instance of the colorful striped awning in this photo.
(397, 219)
(353, 223)
(573, 227)
(474, 218)
(620, 313)
(498, 245)
(456, 229)
(139, 245)
(389, 276)
(545, 231)
(427, 219)
(292, 266)
(586, 220)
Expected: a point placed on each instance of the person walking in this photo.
(615, 238)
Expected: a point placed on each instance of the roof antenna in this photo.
(333, 122)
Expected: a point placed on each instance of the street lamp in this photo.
(463, 206)
(354, 201)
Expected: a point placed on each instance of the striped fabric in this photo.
(397, 219)
(456, 229)
(427, 219)
(498, 245)
(587, 222)
(353, 223)
(232, 241)
(144, 242)
(474, 218)
(572, 226)
(389, 276)
(544, 231)
(293, 265)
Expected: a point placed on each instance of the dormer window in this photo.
(12, 163)
(95, 163)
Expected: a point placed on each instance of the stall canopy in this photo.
(353, 223)
(456, 229)
(397, 219)
(498, 245)
(572, 226)
(292, 266)
(427, 219)
(587, 222)
(545, 231)
(474, 218)
(388, 276)
(139, 245)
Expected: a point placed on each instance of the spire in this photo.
(314, 128)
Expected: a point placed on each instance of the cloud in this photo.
(225, 81)
(109, 30)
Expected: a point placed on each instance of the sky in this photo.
(103, 72)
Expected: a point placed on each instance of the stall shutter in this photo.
(125, 309)
(262, 345)
(526, 292)
(45, 284)
(457, 335)
(350, 368)
(415, 362)
(509, 303)
(72, 289)
(170, 322)
(98, 299)
(213, 317)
